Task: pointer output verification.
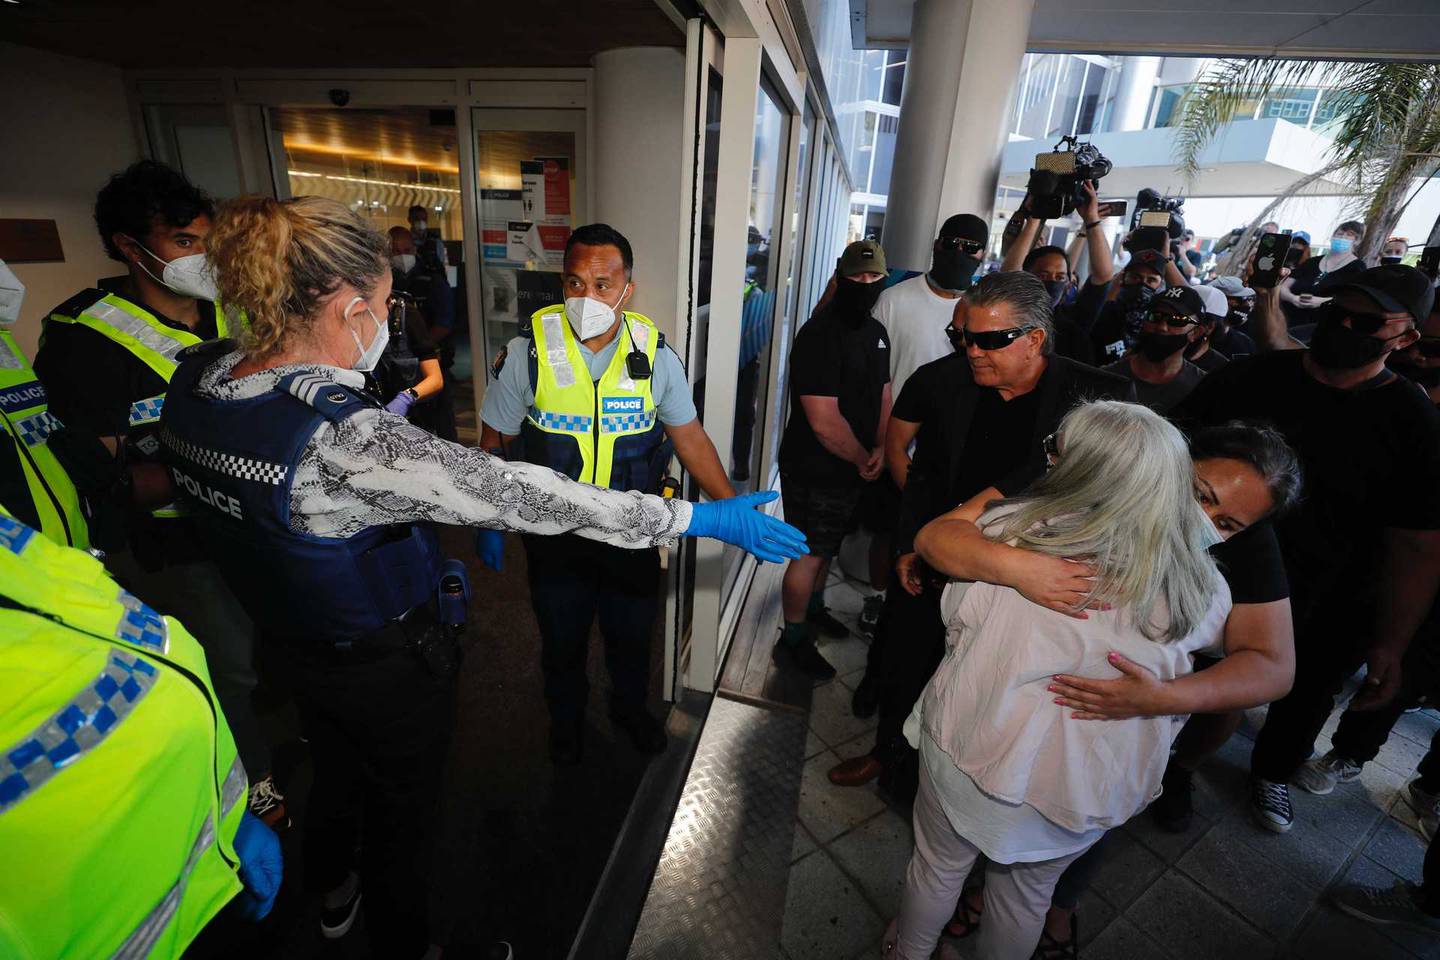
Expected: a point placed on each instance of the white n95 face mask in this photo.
(404, 262)
(590, 317)
(189, 276)
(12, 294)
(369, 356)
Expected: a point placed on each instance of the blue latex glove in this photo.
(401, 404)
(736, 521)
(490, 548)
(261, 866)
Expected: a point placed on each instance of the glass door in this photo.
(530, 193)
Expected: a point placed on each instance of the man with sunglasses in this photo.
(1157, 366)
(976, 417)
(1115, 330)
(1363, 549)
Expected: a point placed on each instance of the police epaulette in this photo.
(334, 401)
(76, 305)
(208, 350)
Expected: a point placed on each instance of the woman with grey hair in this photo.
(1002, 772)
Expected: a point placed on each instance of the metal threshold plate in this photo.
(719, 889)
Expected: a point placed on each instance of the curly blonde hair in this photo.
(278, 260)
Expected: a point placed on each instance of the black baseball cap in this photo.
(1396, 288)
(966, 226)
(1181, 301)
(1147, 259)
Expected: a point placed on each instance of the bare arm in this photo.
(1259, 667)
(1287, 293)
(1102, 264)
(832, 430)
(1173, 276)
(432, 381)
(1267, 322)
(698, 457)
(1409, 575)
(898, 435)
(1022, 244)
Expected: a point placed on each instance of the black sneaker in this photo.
(1174, 809)
(336, 922)
(802, 658)
(823, 621)
(870, 613)
(643, 730)
(565, 744)
(1270, 803)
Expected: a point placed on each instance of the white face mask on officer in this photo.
(189, 276)
(403, 262)
(590, 317)
(369, 356)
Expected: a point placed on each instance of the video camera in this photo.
(1158, 222)
(1055, 180)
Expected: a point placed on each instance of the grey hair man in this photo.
(977, 419)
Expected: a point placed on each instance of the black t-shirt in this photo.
(1211, 360)
(1075, 320)
(835, 355)
(1233, 344)
(997, 445)
(1252, 565)
(1113, 332)
(1371, 459)
(1309, 278)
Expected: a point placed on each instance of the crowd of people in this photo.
(1157, 496)
(1162, 496)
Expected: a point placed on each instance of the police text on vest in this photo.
(208, 495)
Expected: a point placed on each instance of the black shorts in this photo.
(824, 514)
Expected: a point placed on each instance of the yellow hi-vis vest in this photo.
(120, 788)
(604, 432)
(154, 343)
(24, 417)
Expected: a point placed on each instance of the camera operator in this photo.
(1074, 320)
(1118, 325)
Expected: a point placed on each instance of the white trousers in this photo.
(1017, 895)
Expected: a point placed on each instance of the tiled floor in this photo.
(1225, 889)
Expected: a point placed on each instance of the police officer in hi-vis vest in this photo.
(594, 393)
(34, 487)
(106, 357)
(121, 812)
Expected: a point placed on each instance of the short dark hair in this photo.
(1261, 446)
(602, 235)
(1352, 226)
(1039, 252)
(411, 212)
(142, 195)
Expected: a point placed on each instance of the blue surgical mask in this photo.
(1341, 244)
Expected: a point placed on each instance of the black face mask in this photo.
(1237, 318)
(1337, 347)
(1134, 295)
(1391, 259)
(1056, 289)
(854, 298)
(1427, 377)
(1157, 346)
(953, 269)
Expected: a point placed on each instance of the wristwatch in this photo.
(414, 394)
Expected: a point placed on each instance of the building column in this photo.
(1133, 93)
(638, 113)
(960, 78)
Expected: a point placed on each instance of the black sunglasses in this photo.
(972, 247)
(1367, 323)
(985, 339)
(1172, 320)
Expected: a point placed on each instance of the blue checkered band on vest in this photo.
(14, 534)
(234, 462)
(147, 410)
(76, 727)
(36, 429)
(571, 423)
(615, 422)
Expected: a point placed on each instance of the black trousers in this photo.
(1330, 645)
(572, 582)
(1362, 733)
(379, 725)
(910, 639)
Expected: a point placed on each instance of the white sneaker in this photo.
(1321, 776)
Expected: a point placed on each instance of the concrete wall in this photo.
(67, 128)
(639, 112)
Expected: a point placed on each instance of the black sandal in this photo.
(1051, 949)
(966, 919)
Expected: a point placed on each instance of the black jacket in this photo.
(930, 486)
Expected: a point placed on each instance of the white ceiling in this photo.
(1400, 29)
